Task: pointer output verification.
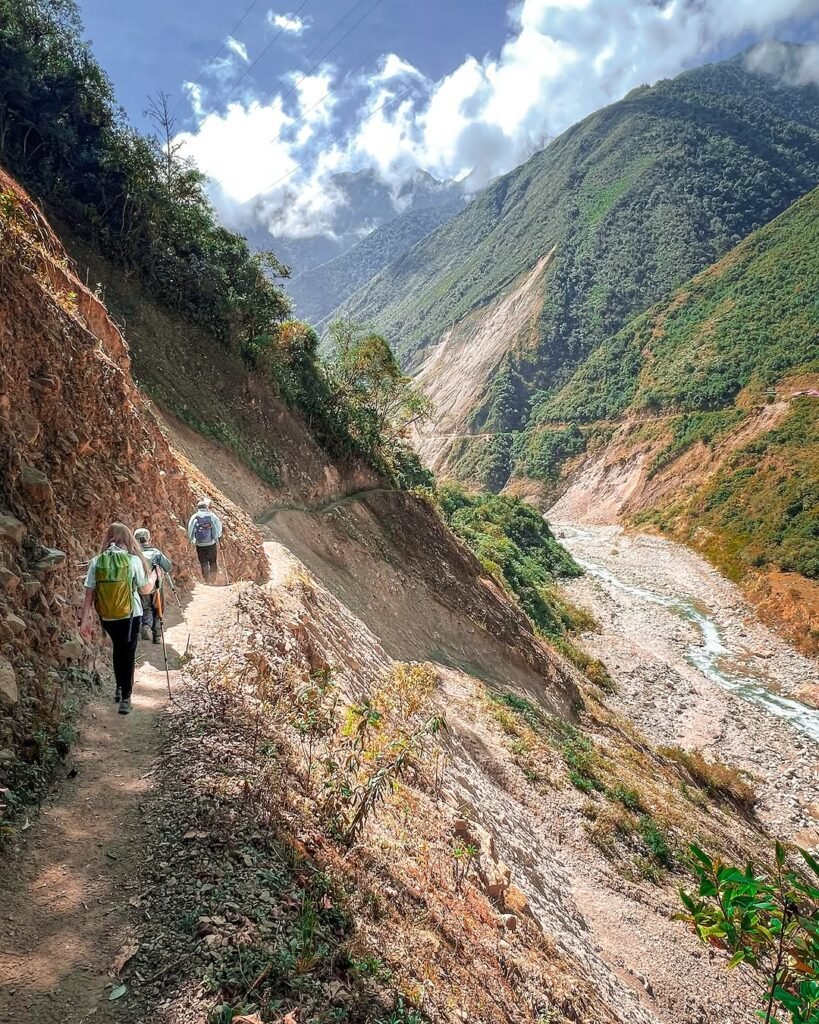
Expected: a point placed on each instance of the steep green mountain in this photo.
(632, 201)
(701, 416)
(317, 291)
(747, 320)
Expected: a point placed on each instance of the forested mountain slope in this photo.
(209, 328)
(702, 416)
(317, 291)
(633, 200)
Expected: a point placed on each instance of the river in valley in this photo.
(695, 667)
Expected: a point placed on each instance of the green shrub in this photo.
(766, 918)
(514, 543)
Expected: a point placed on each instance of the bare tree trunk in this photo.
(163, 119)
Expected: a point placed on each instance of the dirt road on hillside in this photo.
(694, 667)
(67, 884)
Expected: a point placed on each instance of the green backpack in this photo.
(113, 589)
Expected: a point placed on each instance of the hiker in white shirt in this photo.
(205, 530)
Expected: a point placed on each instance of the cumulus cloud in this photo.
(289, 23)
(238, 48)
(562, 60)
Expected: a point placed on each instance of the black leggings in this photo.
(124, 635)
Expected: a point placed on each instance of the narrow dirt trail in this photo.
(67, 884)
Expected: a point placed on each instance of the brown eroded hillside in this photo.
(378, 795)
(81, 447)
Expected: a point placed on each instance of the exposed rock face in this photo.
(8, 683)
(79, 448)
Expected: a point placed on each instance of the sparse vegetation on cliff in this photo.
(515, 544)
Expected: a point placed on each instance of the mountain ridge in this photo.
(701, 418)
(637, 197)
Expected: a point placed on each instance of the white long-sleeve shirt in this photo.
(217, 528)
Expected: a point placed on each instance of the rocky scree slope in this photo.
(702, 417)
(79, 448)
(634, 200)
(560, 911)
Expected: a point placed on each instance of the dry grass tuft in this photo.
(716, 778)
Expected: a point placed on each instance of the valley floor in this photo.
(695, 667)
(115, 859)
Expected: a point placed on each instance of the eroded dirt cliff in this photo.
(80, 447)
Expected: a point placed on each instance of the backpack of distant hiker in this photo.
(203, 529)
(113, 585)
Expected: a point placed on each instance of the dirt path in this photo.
(694, 667)
(67, 885)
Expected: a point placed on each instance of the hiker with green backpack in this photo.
(116, 578)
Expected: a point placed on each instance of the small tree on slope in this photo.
(768, 919)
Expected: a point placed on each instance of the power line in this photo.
(338, 24)
(251, 66)
(335, 46)
(222, 46)
(233, 31)
(319, 101)
(290, 173)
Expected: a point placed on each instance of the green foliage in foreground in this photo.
(766, 918)
(515, 544)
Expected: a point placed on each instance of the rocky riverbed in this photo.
(695, 667)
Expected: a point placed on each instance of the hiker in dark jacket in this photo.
(152, 605)
(116, 578)
(204, 530)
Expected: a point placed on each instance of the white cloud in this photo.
(562, 60)
(289, 23)
(238, 48)
(791, 68)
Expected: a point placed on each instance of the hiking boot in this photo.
(125, 706)
(117, 695)
(146, 633)
(155, 638)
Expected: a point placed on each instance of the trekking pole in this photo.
(173, 589)
(224, 563)
(165, 656)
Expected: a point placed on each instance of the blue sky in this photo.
(158, 44)
(452, 87)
